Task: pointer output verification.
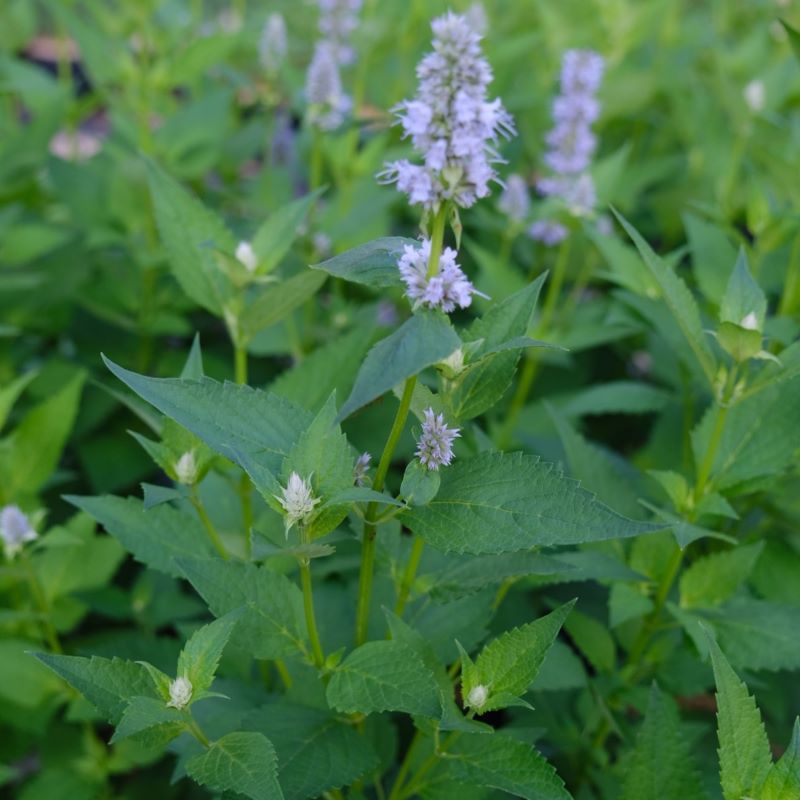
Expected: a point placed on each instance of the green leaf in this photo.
(507, 666)
(146, 713)
(452, 719)
(712, 256)
(593, 640)
(34, 447)
(384, 676)
(783, 780)
(226, 416)
(10, 393)
(743, 296)
(155, 537)
(422, 340)
(193, 368)
(274, 238)
(794, 38)
(192, 235)
(679, 300)
(616, 397)
(372, 264)
(712, 579)
(272, 624)
(420, 484)
(502, 502)
(661, 767)
(275, 301)
(108, 684)
(243, 762)
(502, 763)
(316, 751)
(200, 656)
(744, 754)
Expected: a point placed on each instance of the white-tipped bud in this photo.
(755, 95)
(180, 693)
(749, 322)
(15, 529)
(186, 469)
(477, 696)
(246, 256)
(297, 500)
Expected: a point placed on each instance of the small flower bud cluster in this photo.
(361, 468)
(515, 202)
(571, 143)
(451, 123)
(186, 469)
(180, 693)
(338, 19)
(328, 104)
(15, 529)
(273, 45)
(477, 697)
(297, 500)
(435, 444)
(445, 290)
(246, 256)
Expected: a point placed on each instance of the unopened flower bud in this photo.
(180, 693)
(15, 529)
(246, 256)
(297, 500)
(749, 322)
(478, 696)
(186, 469)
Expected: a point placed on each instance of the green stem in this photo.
(437, 240)
(315, 176)
(370, 530)
(40, 599)
(405, 766)
(240, 363)
(196, 731)
(207, 523)
(408, 576)
(308, 606)
(245, 487)
(791, 287)
(427, 766)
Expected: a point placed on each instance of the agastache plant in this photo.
(338, 20)
(571, 142)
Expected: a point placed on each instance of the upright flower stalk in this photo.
(454, 128)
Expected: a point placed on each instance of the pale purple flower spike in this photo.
(361, 468)
(338, 20)
(328, 105)
(449, 288)
(452, 124)
(435, 444)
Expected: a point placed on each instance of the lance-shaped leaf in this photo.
(373, 264)
(424, 339)
(661, 767)
(200, 656)
(783, 780)
(744, 755)
(507, 666)
(274, 238)
(384, 676)
(242, 762)
(226, 416)
(502, 502)
(150, 716)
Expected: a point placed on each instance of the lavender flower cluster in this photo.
(445, 290)
(328, 103)
(571, 143)
(435, 444)
(450, 121)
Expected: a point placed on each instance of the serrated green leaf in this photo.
(502, 502)
(200, 656)
(192, 234)
(616, 397)
(193, 368)
(712, 256)
(661, 767)
(226, 416)
(744, 755)
(502, 763)
(507, 666)
(145, 713)
(743, 296)
(316, 751)
(679, 300)
(712, 579)
(626, 603)
(243, 762)
(593, 639)
(384, 676)
(10, 393)
(155, 537)
(273, 302)
(783, 780)
(272, 624)
(420, 484)
(422, 340)
(274, 238)
(372, 264)
(108, 684)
